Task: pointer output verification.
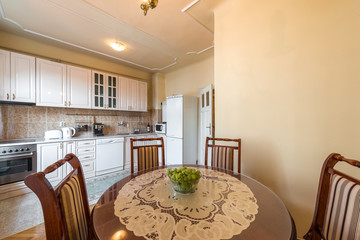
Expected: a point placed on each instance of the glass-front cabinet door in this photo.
(112, 102)
(98, 89)
(105, 87)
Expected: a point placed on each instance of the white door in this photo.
(175, 115)
(98, 90)
(78, 87)
(22, 78)
(4, 75)
(174, 151)
(123, 93)
(133, 95)
(48, 154)
(111, 92)
(50, 83)
(206, 125)
(142, 96)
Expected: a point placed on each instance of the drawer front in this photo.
(85, 143)
(87, 156)
(85, 150)
(88, 166)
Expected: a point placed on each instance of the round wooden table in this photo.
(269, 219)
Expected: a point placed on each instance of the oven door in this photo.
(15, 168)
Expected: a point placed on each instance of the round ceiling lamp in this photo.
(118, 46)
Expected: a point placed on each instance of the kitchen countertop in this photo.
(14, 142)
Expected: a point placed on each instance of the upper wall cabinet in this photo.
(60, 85)
(78, 87)
(50, 83)
(105, 91)
(133, 95)
(17, 77)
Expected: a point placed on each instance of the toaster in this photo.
(53, 134)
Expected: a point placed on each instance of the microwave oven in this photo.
(160, 128)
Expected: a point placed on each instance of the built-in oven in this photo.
(160, 128)
(16, 162)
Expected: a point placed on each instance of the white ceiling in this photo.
(174, 34)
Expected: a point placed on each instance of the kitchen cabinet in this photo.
(50, 83)
(61, 85)
(48, 154)
(105, 91)
(85, 151)
(132, 95)
(142, 104)
(17, 77)
(78, 87)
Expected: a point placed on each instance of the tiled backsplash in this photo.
(18, 121)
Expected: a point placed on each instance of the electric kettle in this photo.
(68, 132)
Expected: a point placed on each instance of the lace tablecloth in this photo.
(221, 207)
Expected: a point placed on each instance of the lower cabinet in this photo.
(48, 154)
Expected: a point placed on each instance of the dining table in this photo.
(225, 205)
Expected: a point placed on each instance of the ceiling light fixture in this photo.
(117, 46)
(146, 4)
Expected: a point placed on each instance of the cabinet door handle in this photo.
(13, 96)
(65, 103)
(86, 165)
(7, 96)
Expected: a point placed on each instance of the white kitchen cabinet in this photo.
(68, 147)
(123, 93)
(142, 97)
(48, 154)
(5, 90)
(17, 77)
(132, 95)
(50, 83)
(85, 151)
(105, 91)
(78, 87)
(60, 85)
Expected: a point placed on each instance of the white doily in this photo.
(221, 207)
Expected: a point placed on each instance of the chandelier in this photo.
(146, 4)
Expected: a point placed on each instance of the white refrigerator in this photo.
(181, 130)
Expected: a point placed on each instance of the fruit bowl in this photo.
(184, 180)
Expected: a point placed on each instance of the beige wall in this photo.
(287, 82)
(189, 79)
(53, 50)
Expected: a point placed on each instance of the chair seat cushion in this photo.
(342, 214)
(73, 209)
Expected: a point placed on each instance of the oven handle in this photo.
(6, 158)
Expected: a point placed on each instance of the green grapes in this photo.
(184, 179)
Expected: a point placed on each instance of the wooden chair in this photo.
(338, 203)
(147, 154)
(223, 156)
(65, 208)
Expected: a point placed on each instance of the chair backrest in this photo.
(65, 208)
(337, 210)
(147, 152)
(222, 156)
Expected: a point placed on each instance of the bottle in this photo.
(148, 127)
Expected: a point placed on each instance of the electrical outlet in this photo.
(62, 124)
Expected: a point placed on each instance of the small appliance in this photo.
(53, 134)
(68, 132)
(160, 128)
(98, 129)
